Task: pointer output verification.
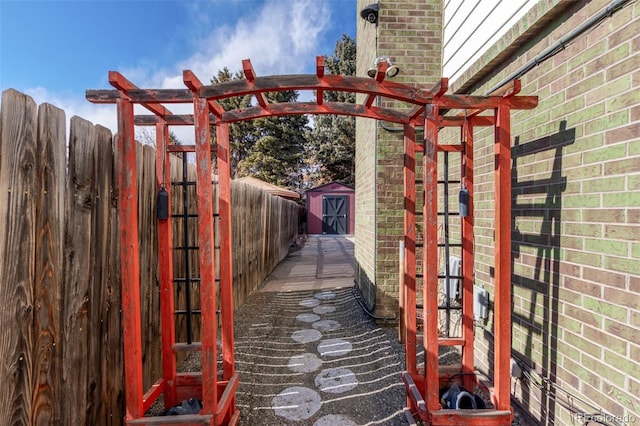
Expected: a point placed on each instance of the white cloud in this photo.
(103, 114)
(280, 38)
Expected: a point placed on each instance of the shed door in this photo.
(334, 214)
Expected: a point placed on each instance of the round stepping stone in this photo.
(334, 347)
(309, 303)
(306, 336)
(326, 325)
(325, 295)
(307, 318)
(305, 363)
(323, 309)
(334, 420)
(336, 380)
(296, 403)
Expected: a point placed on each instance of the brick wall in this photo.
(366, 131)
(576, 214)
(409, 33)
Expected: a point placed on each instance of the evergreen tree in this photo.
(241, 136)
(278, 152)
(332, 142)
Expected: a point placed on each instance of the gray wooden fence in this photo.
(61, 358)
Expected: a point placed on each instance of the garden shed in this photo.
(331, 209)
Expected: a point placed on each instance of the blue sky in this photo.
(55, 50)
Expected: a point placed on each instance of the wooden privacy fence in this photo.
(60, 322)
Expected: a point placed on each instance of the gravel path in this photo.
(306, 352)
(315, 358)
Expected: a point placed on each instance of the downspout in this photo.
(375, 190)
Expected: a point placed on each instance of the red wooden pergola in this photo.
(416, 108)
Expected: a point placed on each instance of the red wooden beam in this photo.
(371, 87)
(250, 75)
(226, 254)
(320, 66)
(206, 256)
(191, 81)
(153, 393)
(379, 78)
(440, 88)
(468, 360)
(409, 293)
(415, 397)
(129, 260)
(502, 282)
(381, 71)
(430, 257)
(165, 259)
(471, 418)
(339, 108)
(227, 401)
(320, 74)
(118, 81)
(194, 84)
(185, 148)
(508, 90)
(450, 148)
(171, 120)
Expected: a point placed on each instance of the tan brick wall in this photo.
(409, 33)
(365, 234)
(576, 216)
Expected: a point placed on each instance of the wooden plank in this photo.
(275, 83)
(118, 81)
(502, 259)
(226, 248)
(414, 397)
(440, 88)
(397, 91)
(100, 369)
(409, 316)
(129, 259)
(149, 294)
(153, 393)
(472, 417)
(430, 257)
(250, 75)
(165, 267)
(111, 291)
(206, 257)
(337, 108)
(78, 305)
(227, 400)
(172, 120)
(49, 266)
(183, 420)
(468, 357)
(18, 200)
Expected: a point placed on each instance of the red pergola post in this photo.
(502, 297)
(430, 258)
(226, 254)
(129, 259)
(206, 256)
(409, 294)
(165, 258)
(468, 361)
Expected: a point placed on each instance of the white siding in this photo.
(471, 27)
